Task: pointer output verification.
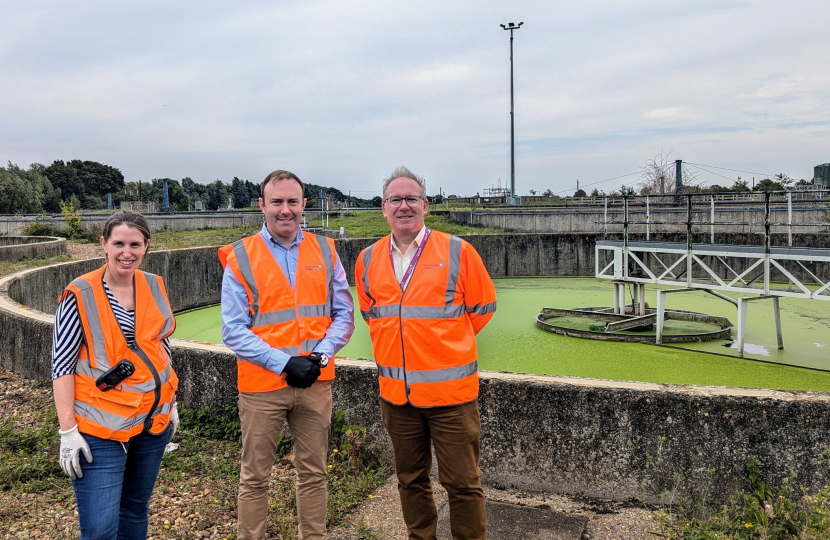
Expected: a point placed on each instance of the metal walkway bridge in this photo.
(769, 272)
(766, 271)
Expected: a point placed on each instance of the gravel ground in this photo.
(84, 251)
(183, 505)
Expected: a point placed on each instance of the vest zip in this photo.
(148, 423)
(403, 349)
(400, 319)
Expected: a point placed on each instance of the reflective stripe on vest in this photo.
(429, 376)
(115, 422)
(99, 347)
(307, 345)
(478, 309)
(163, 307)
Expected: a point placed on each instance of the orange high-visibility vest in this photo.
(423, 338)
(293, 321)
(143, 400)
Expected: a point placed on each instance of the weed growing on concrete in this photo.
(41, 226)
(658, 483)
(756, 513)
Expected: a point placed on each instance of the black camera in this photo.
(115, 375)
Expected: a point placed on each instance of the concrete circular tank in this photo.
(14, 248)
(558, 434)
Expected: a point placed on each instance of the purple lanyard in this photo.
(414, 261)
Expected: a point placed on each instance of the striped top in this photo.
(68, 334)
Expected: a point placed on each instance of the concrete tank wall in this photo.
(564, 435)
(178, 222)
(514, 255)
(592, 220)
(14, 248)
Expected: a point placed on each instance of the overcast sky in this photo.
(341, 92)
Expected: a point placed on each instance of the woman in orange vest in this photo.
(114, 384)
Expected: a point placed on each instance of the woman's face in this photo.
(124, 250)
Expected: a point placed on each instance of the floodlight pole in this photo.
(512, 200)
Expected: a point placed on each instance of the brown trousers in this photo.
(454, 432)
(262, 416)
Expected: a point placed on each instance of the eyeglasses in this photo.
(395, 202)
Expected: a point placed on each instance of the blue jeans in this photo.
(114, 494)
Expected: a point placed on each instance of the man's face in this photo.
(405, 219)
(283, 204)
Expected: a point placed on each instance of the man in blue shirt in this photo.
(286, 311)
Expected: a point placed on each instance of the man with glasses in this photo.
(425, 295)
(286, 310)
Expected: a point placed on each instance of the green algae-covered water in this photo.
(512, 342)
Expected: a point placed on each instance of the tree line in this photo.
(89, 185)
(658, 175)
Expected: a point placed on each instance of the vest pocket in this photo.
(118, 402)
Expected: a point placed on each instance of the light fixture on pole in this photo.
(512, 199)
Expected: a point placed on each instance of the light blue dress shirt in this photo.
(236, 318)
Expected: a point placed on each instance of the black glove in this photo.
(315, 358)
(301, 372)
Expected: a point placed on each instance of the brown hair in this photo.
(277, 176)
(130, 219)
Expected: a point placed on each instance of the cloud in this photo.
(342, 92)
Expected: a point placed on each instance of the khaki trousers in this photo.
(262, 416)
(455, 433)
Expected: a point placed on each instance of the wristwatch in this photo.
(324, 360)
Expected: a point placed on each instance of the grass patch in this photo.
(200, 456)
(198, 238)
(371, 224)
(7, 267)
(218, 423)
(790, 513)
(28, 453)
(753, 513)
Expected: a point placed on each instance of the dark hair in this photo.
(277, 176)
(130, 219)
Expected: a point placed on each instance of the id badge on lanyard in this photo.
(414, 261)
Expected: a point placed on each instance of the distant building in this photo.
(821, 176)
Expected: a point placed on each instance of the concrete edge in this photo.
(16, 308)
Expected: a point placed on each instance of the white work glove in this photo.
(174, 421)
(72, 444)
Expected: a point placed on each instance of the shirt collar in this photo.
(417, 241)
(271, 241)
